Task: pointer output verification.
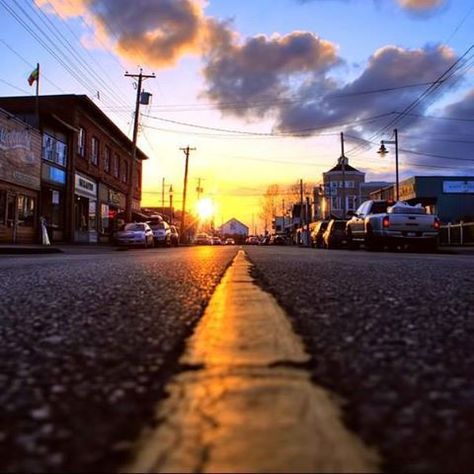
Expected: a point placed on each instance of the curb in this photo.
(29, 251)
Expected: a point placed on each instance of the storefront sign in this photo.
(458, 187)
(20, 153)
(116, 198)
(86, 187)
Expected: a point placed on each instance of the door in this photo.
(12, 218)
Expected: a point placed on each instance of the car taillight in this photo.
(386, 222)
(437, 224)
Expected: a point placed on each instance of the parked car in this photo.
(203, 239)
(266, 240)
(376, 225)
(335, 236)
(161, 233)
(253, 240)
(230, 242)
(278, 240)
(216, 240)
(174, 236)
(137, 234)
(317, 233)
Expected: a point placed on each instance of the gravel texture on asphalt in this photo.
(86, 345)
(393, 336)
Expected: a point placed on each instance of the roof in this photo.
(82, 100)
(235, 221)
(349, 168)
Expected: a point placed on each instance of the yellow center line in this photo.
(241, 412)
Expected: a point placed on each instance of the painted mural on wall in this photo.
(20, 153)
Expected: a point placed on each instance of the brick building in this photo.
(86, 166)
(20, 180)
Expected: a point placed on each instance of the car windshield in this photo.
(379, 208)
(135, 228)
(340, 225)
(160, 226)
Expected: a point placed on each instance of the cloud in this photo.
(421, 5)
(412, 6)
(161, 31)
(263, 67)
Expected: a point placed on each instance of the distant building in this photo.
(234, 228)
(449, 197)
(329, 196)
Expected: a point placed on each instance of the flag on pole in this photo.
(34, 76)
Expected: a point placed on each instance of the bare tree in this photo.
(270, 205)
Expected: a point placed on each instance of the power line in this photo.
(283, 133)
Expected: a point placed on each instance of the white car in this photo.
(161, 233)
(135, 235)
(377, 224)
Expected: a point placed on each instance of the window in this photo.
(26, 211)
(3, 207)
(107, 156)
(116, 166)
(95, 151)
(351, 203)
(81, 143)
(124, 172)
(335, 203)
(54, 150)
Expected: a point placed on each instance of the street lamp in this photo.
(171, 192)
(384, 151)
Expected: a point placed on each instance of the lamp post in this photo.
(171, 192)
(383, 151)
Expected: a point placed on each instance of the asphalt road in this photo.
(87, 343)
(392, 334)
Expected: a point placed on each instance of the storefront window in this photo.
(105, 222)
(3, 207)
(26, 211)
(92, 215)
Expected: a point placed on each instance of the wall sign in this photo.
(20, 153)
(458, 187)
(86, 187)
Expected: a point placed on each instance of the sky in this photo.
(262, 89)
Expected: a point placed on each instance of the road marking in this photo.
(245, 410)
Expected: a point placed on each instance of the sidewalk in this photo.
(55, 249)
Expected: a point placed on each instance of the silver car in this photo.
(135, 235)
(161, 233)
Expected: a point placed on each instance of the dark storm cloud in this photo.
(323, 104)
(447, 132)
(262, 68)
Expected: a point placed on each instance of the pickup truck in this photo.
(376, 224)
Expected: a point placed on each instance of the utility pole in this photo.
(187, 152)
(308, 221)
(343, 163)
(171, 204)
(141, 77)
(163, 184)
(199, 189)
(301, 206)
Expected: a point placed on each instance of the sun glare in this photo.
(206, 209)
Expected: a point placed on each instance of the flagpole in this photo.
(37, 95)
